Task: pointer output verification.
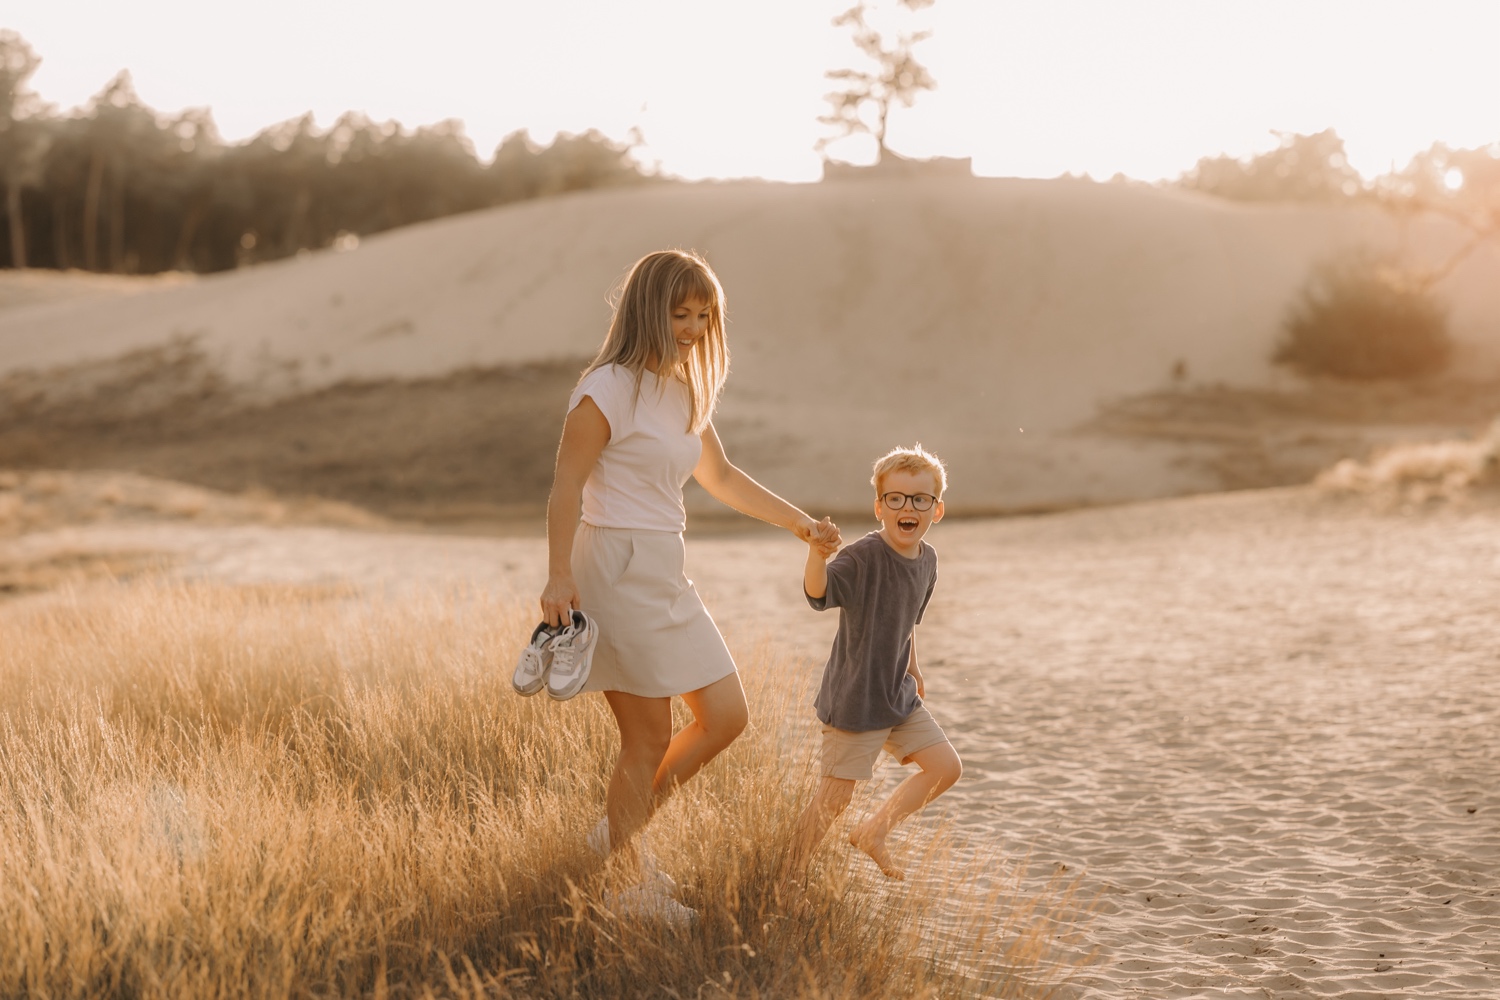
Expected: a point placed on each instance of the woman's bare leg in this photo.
(645, 734)
(719, 715)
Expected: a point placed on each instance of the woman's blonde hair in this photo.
(641, 331)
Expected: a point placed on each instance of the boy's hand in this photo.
(916, 675)
(822, 532)
(825, 538)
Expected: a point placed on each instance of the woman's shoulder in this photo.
(610, 374)
(611, 381)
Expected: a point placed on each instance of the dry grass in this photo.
(48, 499)
(1433, 471)
(213, 791)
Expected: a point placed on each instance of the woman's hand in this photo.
(823, 535)
(559, 599)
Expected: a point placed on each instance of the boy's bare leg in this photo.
(940, 768)
(831, 800)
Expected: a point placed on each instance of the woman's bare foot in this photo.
(876, 848)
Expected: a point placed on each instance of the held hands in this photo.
(822, 535)
(559, 599)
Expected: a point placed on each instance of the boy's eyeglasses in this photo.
(919, 501)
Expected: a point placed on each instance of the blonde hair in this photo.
(915, 459)
(641, 330)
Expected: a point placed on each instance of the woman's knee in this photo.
(721, 711)
(645, 726)
(646, 746)
(731, 721)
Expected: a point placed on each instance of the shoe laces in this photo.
(565, 651)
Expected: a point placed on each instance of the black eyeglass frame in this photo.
(915, 499)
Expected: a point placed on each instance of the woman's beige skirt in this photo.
(655, 636)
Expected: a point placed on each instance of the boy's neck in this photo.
(915, 552)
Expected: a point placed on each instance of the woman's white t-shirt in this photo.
(638, 480)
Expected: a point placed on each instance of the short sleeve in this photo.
(611, 388)
(843, 575)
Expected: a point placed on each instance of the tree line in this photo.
(1316, 168)
(1461, 184)
(115, 186)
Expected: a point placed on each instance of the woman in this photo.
(638, 424)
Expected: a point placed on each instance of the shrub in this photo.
(1358, 319)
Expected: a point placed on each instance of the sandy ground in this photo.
(1262, 727)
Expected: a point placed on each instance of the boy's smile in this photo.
(903, 527)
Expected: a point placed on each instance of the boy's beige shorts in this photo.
(655, 636)
(852, 755)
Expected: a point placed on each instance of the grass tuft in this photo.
(297, 792)
(1420, 473)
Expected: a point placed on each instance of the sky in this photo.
(734, 88)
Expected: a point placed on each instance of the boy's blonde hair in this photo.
(641, 330)
(914, 459)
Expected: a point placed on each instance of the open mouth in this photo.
(907, 523)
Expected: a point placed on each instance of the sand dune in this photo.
(990, 319)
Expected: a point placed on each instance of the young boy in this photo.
(871, 694)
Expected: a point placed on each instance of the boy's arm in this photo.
(815, 574)
(913, 669)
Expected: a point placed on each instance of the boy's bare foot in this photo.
(876, 849)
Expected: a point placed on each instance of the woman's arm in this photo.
(726, 483)
(585, 433)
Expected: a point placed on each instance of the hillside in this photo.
(1058, 342)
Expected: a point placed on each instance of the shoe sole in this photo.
(527, 692)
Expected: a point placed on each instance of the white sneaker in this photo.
(646, 902)
(572, 654)
(598, 838)
(599, 842)
(536, 658)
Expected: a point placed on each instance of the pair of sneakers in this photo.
(557, 658)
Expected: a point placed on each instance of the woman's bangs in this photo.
(694, 284)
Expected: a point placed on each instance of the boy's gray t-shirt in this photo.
(882, 595)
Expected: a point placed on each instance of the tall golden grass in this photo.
(1421, 472)
(296, 792)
